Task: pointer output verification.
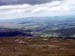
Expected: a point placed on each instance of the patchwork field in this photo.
(31, 46)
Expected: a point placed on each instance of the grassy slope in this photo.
(21, 46)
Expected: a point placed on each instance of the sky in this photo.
(13, 9)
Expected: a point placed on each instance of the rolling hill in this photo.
(42, 26)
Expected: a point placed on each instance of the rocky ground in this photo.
(30, 46)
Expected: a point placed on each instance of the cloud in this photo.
(32, 2)
(55, 8)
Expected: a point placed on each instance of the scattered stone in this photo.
(21, 41)
(44, 39)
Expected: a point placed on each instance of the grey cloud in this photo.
(32, 2)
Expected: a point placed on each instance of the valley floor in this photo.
(29, 46)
